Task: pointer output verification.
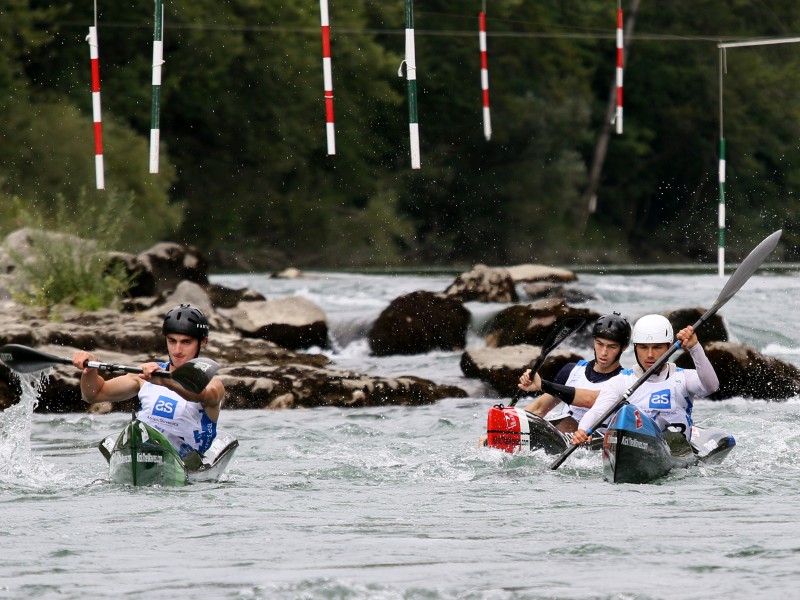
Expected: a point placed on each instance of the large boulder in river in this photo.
(547, 289)
(714, 329)
(483, 284)
(292, 322)
(745, 372)
(419, 322)
(158, 270)
(501, 367)
(169, 263)
(257, 385)
(531, 272)
(531, 323)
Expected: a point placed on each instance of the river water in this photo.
(399, 503)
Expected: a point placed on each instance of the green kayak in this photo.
(141, 455)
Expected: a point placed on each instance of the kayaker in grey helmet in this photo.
(667, 396)
(611, 334)
(187, 419)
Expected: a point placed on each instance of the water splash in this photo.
(18, 464)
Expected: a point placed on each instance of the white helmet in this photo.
(653, 329)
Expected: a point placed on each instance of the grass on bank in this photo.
(68, 261)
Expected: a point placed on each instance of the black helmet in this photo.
(187, 320)
(613, 327)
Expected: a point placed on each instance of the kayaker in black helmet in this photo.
(612, 334)
(187, 419)
(187, 320)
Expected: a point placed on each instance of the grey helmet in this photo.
(187, 320)
(613, 327)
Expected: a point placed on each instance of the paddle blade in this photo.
(23, 359)
(558, 334)
(196, 374)
(745, 270)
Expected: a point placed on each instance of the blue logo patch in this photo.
(661, 400)
(165, 407)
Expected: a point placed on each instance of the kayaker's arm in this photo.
(570, 395)
(553, 392)
(705, 371)
(95, 389)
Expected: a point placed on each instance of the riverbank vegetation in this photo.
(244, 172)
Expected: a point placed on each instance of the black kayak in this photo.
(636, 450)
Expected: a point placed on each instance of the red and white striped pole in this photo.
(620, 60)
(487, 119)
(327, 75)
(98, 123)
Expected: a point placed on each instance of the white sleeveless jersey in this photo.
(577, 379)
(185, 424)
(669, 396)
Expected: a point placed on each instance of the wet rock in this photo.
(258, 385)
(547, 289)
(224, 297)
(714, 330)
(745, 372)
(293, 322)
(501, 368)
(531, 272)
(532, 323)
(290, 273)
(171, 263)
(420, 322)
(483, 284)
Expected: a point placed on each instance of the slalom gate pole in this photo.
(411, 76)
(327, 75)
(620, 61)
(487, 120)
(721, 211)
(94, 54)
(158, 61)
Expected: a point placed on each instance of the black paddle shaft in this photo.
(557, 335)
(194, 375)
(734, 284)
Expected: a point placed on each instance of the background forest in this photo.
(244, 171)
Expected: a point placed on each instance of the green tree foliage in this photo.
(244, 160)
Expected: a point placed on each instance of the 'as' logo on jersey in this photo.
(661, 399)
(165, 407)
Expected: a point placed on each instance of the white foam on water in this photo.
(19, 465)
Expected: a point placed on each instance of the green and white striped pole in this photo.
(411, 76)
(722, 69)
(721, 222)
(721, 250)
(158, 60)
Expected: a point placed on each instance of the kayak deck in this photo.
(142, 456)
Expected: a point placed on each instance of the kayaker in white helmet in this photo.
(187, 419)
(666, 396)
(612, 334)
